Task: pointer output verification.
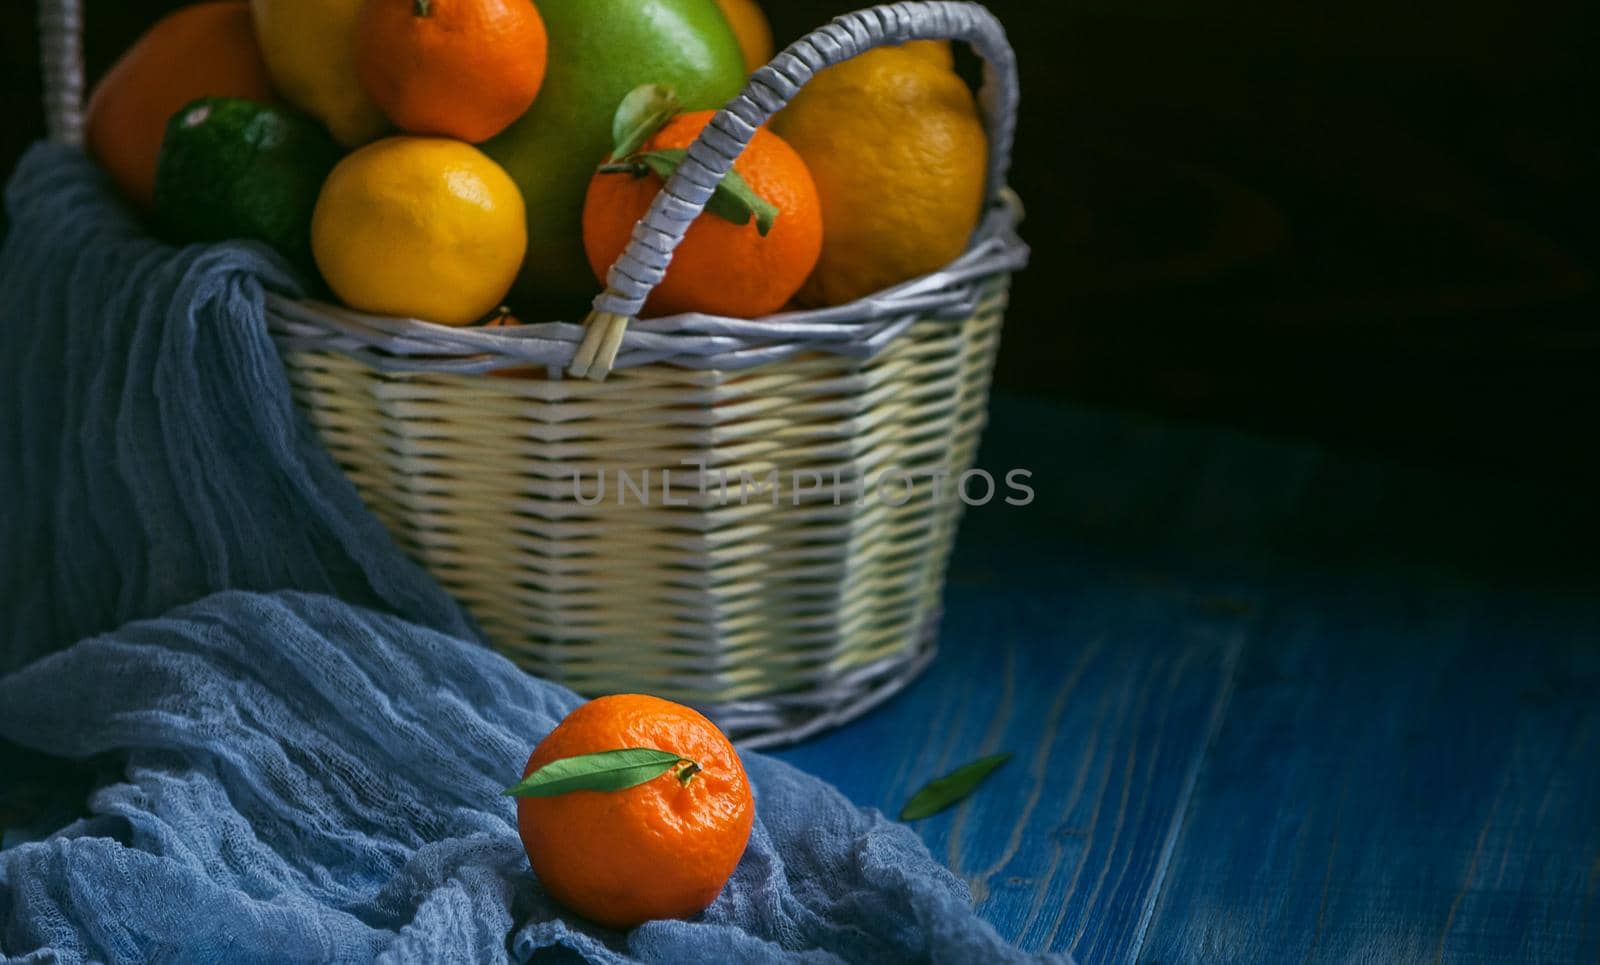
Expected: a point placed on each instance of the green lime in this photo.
(598, 53)
(233, 168)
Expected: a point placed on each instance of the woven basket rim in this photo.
(693, 340)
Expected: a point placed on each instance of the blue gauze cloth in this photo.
(315, 739)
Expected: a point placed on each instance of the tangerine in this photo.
(458, 68)
(661, 849)
(721, 268)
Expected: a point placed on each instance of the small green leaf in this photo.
(642, 113)
(951, 788)
(663, 162)
(734, 199)
(615, 770)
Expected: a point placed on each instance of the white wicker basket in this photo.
(776, 617)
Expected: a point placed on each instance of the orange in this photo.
(662, 849)
(205, 50)
(460, 68)
(720, 268)
(752, 30)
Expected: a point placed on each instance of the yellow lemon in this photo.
(421, 227)
(937, 51)
(752, 30)
(897, 149)
(310, 50)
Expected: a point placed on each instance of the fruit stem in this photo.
(685, 772)
(424, 8)
(634, 167)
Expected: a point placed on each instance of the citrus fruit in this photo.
(720, 268)
(750, 26)
(460, 68)
(422, 227)
(310, 47)
(233, 168)
(208, 49)
(598, 53)
(937, 51)
(895, 143)
(662, 849)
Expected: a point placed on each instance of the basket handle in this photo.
(61, 59)
(643, 264)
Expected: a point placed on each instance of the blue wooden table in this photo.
(1267, 704)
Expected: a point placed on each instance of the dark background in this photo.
(1370, 225)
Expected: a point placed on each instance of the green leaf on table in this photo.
(615, 770)
(951, 788)
(642, 113)
(734, 199)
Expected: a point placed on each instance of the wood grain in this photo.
(1268, 704)
(1107, 694)
(1403, 775)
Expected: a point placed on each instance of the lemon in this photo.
(937, 51)
(310, 50)
(421, 227)
(898, 152)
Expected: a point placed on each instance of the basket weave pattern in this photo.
(706, 602)
(776, 616)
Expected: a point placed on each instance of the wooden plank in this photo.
(1106, 689)
(1409, 771)
(1407, 768)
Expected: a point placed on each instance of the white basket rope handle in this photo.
(644, 262)
(61, 58)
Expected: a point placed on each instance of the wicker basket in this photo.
(777, 614)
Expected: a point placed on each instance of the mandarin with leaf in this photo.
(628, 850)
(742, 268)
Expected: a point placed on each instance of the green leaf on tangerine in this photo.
(642, 112)
(734, 199)
(615, 770)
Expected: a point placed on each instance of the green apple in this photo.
(599, 51)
